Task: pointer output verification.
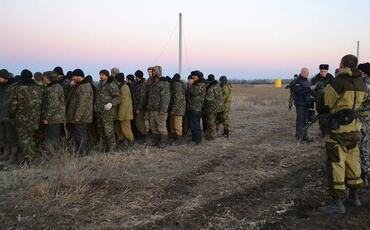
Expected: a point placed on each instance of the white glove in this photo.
(108, 106)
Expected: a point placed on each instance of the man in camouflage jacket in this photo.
(197, 93)
(213, 105)
(223, 118)
(53, 110)
(139, 105)
(177, 108)
(107, 96)
(25, 107)
(80, 110)
(158, 100)
(8, 133)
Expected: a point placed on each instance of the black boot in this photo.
(364, 177)
(226, 133)
(12, 159)
(353, 198)
(177, 141)
(335, 207)
(155, 139)
(163, 142)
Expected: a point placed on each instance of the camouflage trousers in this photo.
(176, 125)
(158, 123)
(364, 145)
(8, 137)
(343, 166)
(106, 125)
(223, 119)
(211, 124)
(26, 142)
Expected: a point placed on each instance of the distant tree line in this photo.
(259, 81)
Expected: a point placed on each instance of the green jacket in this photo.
(177, 103)
(139, 96)
(107, 92)
(25, 104)
(159, 96)
(124, 109)
(80, 103)
(53, 105)
(5, 93)
(226, 95)
(321, 83)
(197, 93)
(214, 102)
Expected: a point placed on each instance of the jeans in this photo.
(194, 121)
(302, 119)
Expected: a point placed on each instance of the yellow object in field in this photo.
(278, 83)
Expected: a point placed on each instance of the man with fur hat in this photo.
(365, 128)
(213, 105)
(139, 104)
(8, 132)
(321, 80)
(197, 93)
(177, 108)
(53, 110)
(342, 98)
(25, 107)
(223, 118)
(107, 97)
(64, 81)
(158, 100)
(80, 110)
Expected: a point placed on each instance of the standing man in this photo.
(158, 100)
(223, 118)
(321, 80)
(365, 120)
(177, 108)
(80, 111)
(53, 110)
(114, 71)
(197, 93)
(213, 105)
(302, 101)
(25, 107)
(138, 104)
(342, 98)
(290, 87)
(8, 132)
(107, 97)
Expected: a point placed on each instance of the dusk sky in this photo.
(239, 39)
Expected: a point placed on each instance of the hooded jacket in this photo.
(159, 95)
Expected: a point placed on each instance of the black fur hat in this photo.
(139, 74)
(324, 67)
(59, 70)
(365, 68)
(26, 74)
(4, 74)
(78, 72)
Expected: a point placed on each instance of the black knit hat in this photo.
(365, 68)
(59, 70)
(26, 74)
(324, 67)
(131, 77)
(211, 77)
(69, 75)
(120, 77)
(197, 73)
(78, 72)
(223, 79)
(4, 74)
(176, 77)
(104, 72)
(139, 74)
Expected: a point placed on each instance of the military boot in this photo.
(12, 159)
(335, 207)
(163, 142)
(353, 198)
(226, 133)
(364, 177)
(155, 139)
(177, 141)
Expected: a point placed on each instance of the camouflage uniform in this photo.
(53, 111)
(65, 84)
(80, 107)
(291, 95)
(224, 117)
(197, 93)
(177, 107)
(139, 99)
(107, 92)
(320, 83)
(7, 128)
(25, 108)
(213, 105)
(364, 138)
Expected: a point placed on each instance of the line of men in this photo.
(343, 103)
(43, 109)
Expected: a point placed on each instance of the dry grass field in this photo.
(259, 178)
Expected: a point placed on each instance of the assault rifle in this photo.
(309, 124)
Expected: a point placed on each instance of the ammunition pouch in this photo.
(343, 117)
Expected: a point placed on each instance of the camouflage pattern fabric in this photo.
(223, 118)
(177, 103)
(53, 105)
(107, 92)
(197, 94)
(139, 96)
(159, 96)
(5, 94)
(106, 125)
(214, 98)
(321, 83)
(364, 133)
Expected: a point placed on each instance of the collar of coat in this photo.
(26, 81)
(9, 82)
(348, 72)
(211, 83)
(109, 80)
(53, 83)
(162, 79)
(329, 76)
(142, 80)
(85, 80)
(201, 80)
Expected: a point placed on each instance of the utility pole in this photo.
(180, 45)
(358, 50)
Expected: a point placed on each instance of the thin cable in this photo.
(165, 46)
(186, 50)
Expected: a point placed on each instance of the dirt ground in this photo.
(259, 178)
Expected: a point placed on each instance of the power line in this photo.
(166, 44)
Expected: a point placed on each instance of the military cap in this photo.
(223, 79)
(26, 74)
(120, 77)
(59, 70)
(51, 75)
(211, 77)
(78, 73)
(197, 73)
(131, 77)
(139, 74)
(4, 74)
(324, 67)
(365, 68)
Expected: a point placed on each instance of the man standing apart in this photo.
(342, 99)
(302, 101)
